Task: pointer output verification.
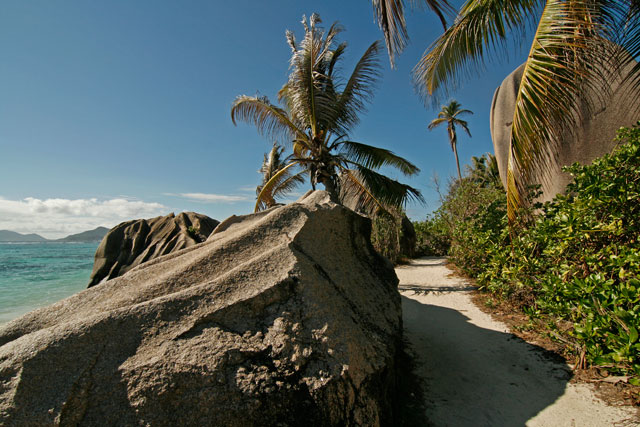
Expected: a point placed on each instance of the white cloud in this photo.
(54, 218)
(247, 189)
(210, 198)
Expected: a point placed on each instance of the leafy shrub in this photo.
(388, 234)
(579, 260)
(469, 220)
(432, 236)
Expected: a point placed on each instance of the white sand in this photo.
(475, 373)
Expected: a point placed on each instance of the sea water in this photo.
(34, 275)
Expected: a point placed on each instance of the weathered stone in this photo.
(408, 238)
(593, 136)
(285, 318)
(132, 243)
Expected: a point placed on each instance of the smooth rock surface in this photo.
(132, 243)
(287, 319)
(593, 137)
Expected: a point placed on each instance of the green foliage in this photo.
(469, 221)
(432, 236)
(194, 233)
(577, 260)
(388, 235)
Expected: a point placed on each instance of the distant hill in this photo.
(86, 236)
(13, 237)
(95, 235)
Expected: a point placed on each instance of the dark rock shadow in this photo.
(478, 377)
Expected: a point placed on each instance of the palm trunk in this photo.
(455, 153)
(330, 186)
(453, 139)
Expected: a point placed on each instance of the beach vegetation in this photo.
(318, 109)
(573, 264)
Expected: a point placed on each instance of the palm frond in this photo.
(464, 125)
(306, 94)
(390, 17)
(374, 158)
(358, 90)
(335, 57)
(559, 70)
(436, 122)
(269, 119)
(289, 184)
(481, 25)
(620, 20)
(266, 192)
(369, 190)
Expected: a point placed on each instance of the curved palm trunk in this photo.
(455, 153)
(453, 139)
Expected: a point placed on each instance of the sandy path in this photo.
(475, 373)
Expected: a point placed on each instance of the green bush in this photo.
(390, 238)
(579, 260)
(469, 220)
(432, 236)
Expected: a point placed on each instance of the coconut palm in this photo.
(450, 115)
(573, 43)
(484, 170)
(317, 114)
(272, 164)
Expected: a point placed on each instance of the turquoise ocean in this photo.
(34, 275)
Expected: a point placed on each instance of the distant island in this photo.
(94, 235)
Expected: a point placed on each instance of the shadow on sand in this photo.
(427, 261)
(476, 376)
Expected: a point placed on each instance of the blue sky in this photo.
(113, 110)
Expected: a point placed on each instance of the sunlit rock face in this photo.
(616, 105)
(286, 317)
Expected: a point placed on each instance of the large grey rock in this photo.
(287, 319)
(593, 136)
(408, 238)
(131, 243)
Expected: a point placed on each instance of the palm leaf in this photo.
(266, 193)
(374, 157)
(269, 119)
(481, 25)
(307, 99)
(289, 184)
(368, 190)
(390, 17)
(358, 90)
(558, 71)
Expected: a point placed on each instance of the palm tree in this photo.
(577, 44)
(286, 182)
(449, 115)
(484, 170)
(317, 114)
